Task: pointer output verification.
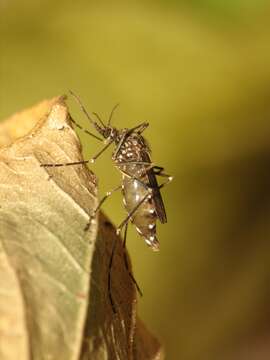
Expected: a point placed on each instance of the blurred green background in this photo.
(199, 72)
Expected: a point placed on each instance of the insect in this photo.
(141, 191)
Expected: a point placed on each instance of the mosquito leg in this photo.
(123, 223)
(80, 162)
(110, 277)
(147, 166)
(125, 237)
(170, 178)
(119, 146)
(101, 151)
(126, 262)
(146, 186)
(141, 127)
(84, 130)
(151, 165)
(163, 175)
(66, 164)
(159, 171)
(108, 194)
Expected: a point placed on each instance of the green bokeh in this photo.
(203, 84)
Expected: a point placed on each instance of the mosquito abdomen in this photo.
(144, 218)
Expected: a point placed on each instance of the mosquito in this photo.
(141, 191)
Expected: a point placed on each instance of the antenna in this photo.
(76, 97)
(111, 114)
(99, 119)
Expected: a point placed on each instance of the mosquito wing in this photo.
(157, 198)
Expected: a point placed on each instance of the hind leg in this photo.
(126, 261)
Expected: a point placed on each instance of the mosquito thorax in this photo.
(116, 135)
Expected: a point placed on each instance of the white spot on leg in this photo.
(151, 226)
(152, 211)
(139, 231)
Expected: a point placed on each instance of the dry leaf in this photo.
(54, 300)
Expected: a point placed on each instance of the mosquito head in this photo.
(108, 132)
(112, 133)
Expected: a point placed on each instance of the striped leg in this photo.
(110, 277)
(79, 162)
(126, 262)
(108, 194)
